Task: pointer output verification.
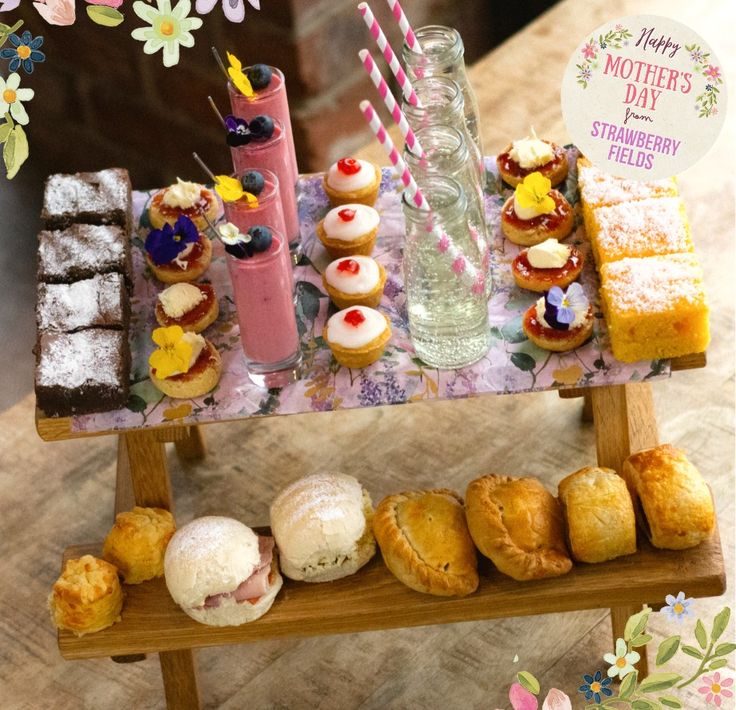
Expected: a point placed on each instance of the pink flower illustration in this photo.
(57, 12)
(109, 3)
(458, 266)
(556, 700)
(716, 688)
(713, 72)
(590, 49)
(521, 698)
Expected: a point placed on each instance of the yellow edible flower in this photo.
(533, 193)
(235, 71)
(173, 353)
(230, 189)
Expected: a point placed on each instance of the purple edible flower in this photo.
(165, 244)
(560, 306)
(237, 131)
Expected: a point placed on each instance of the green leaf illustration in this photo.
(723, 649)
(523, 361)
(640, 640)
(15, 151)
(667, 649)
(692, 651)
(700, 635)
(512, 332)
(657, 682)
(308, 299)
(720, 623)
(5, 129)
(628, 685)
(718, 663)
(644, 704)
(636, 624)
(106, 16)
(136, 403)
(670, 701)
(529, 682)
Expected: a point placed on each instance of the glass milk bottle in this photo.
(441, 104)
(448, 319)
(446, 153)
(443, 54)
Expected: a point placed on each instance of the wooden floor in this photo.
(54, 495)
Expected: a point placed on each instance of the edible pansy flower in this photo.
(533, 193)
(230, 189)
(560, 306)
(24, 52)
(173, 353)
(237, 131)
(11, 98)
(165, 244)
(238, 77)
(236, 243)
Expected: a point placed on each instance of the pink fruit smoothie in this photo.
(271, 155)
(271, 101)
(268, 211)
(268, 332)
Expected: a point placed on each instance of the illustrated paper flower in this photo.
(556, 700)
(234, 9)
(169, 28)
(596, 686)
(521, 698)
(57, 12)
(713, 72)
(622, 663)
(677, 607)
(165, 244)
(716, 688)
(567, 302)
(108, 3)
(8, 5)
(589, 50)
(11, 98)
(533, 192)
(173, 353)
(24, 52)
(696, 56)
(236, 73)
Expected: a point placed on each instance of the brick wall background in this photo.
(100, 101)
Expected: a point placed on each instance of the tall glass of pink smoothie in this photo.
(244, 214)
(268, 332)
(271, 101)
(271, 154)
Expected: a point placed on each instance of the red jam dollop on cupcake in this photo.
(536, 212)
(531, 154)
(354, 281)
(352, 180)
(178, 253)
(188, 199)
(357, 336)
(548, 264)
(560, 320)
(348, 230)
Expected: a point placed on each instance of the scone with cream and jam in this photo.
(189, 199)
(542, 266)
(560, 320)
(536, 212)
(357, 336)
(531, 154)
(352, 180)
(349, 230)
(192, 306)
(354, 281)
(178, 253)
(185, 364)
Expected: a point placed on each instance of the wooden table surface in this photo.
(54, 495)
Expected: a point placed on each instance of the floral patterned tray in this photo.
(513, 364)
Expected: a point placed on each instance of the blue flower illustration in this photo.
(595, 686)
(677, 607)
(24, 52)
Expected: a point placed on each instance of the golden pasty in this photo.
(598, 513)
(672, 501)
(517, 524)
(425, 542)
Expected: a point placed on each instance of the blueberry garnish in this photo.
(253, 182)
(261, 238)
(259, 76)
(261, 128)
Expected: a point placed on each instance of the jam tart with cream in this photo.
(560, 320)
(542, 266)
(531, 154)
(536, 212)
(352, 180)
(178, 253)
(189, 199)
(357, 336)
(194, 307)
(348, 230)
(354, 281)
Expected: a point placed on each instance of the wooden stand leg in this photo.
(619, 616)
(574, 393)
(191, 447)
(148, 471)
(587, 407)
(180, 680)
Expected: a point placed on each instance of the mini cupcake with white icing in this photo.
(357, 336)
(349, 230)
(354, 281)
(352, 180)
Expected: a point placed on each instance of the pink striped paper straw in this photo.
(388, 98)
(464, 270)
(404, 26)
(388, 53)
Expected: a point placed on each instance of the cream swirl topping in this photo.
(550, 254)
(183, 194)
(178, 299)
(531, 152)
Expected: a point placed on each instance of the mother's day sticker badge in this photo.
(644, 97)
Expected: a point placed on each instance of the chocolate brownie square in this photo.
(103, 197)
(101, 301)
(82, 372)
(81, 251)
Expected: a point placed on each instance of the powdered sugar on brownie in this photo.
(654, 284)
(599, 188)
(100, 192)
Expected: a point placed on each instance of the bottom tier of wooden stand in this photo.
(374, 599)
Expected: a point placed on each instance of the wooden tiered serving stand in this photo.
(372, 599)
